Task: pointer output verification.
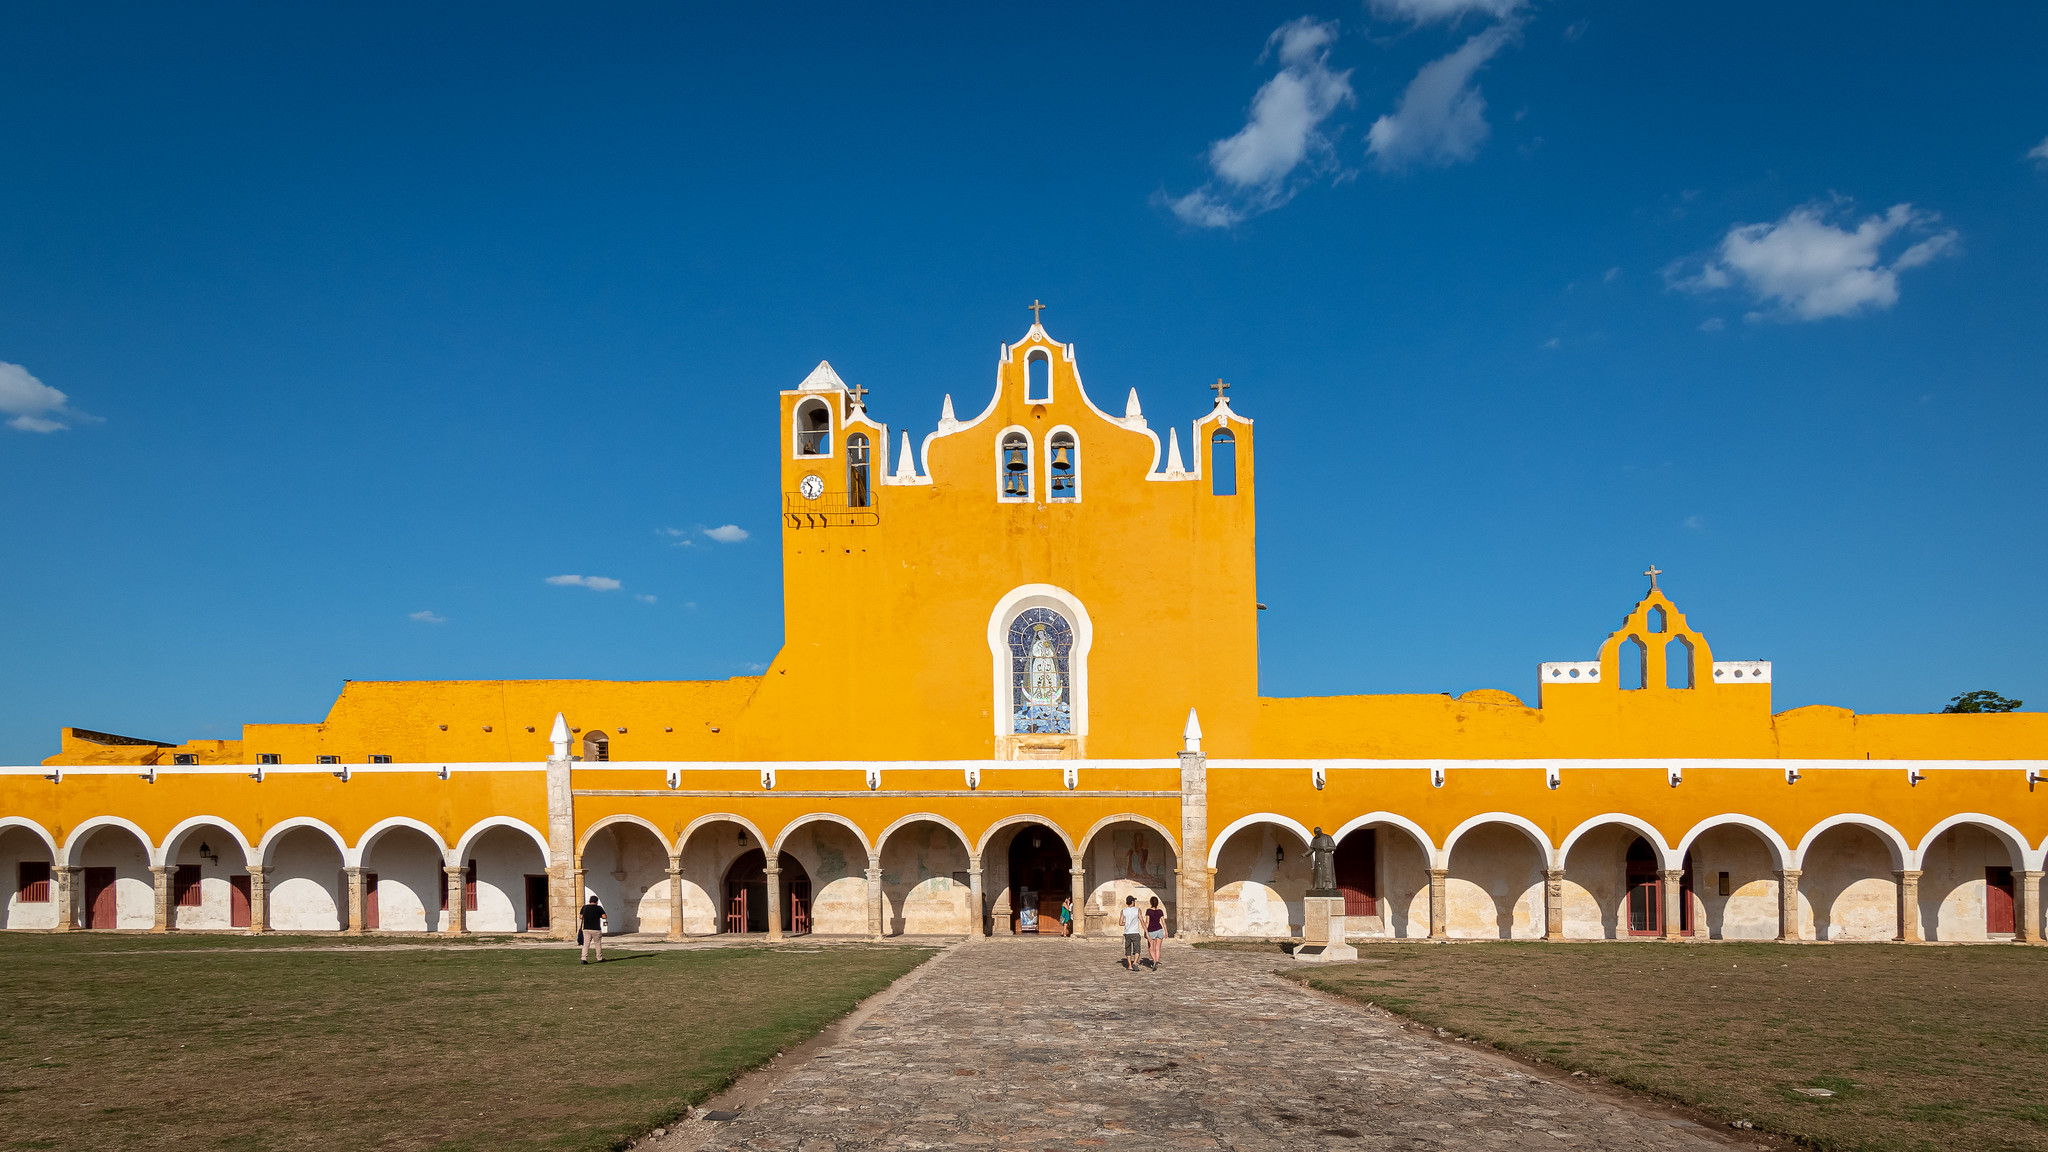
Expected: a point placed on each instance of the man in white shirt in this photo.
(1134, 932)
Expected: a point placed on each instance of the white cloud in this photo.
(2039, 153)
(35, 406)
(1441, 119)
(1429, 11)
(427, 618)
(1264, 164)
(1713, 324)
(1810, 269)
(643, 597)
(1694, 523)
(594, 583)
(727, 533)
(1608, 276)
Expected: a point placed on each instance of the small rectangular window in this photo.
(330, 759)
(1722, 887)
(33, 885)
(380, 759)
(184, 758)
(185, 886)
(269, 758)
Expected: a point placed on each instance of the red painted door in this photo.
(101, 908)
(238, 902)
(370, 900)
(1356, 861)
(1645, 899)
(1998, 915)
(185, 887)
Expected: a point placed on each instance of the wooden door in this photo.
(185, 891)
(238, 902)
(1357, 872)
(102, 907)
(1998, 916)
(1645, 899)
(370, 900)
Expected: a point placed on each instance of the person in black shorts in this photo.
(592, 932)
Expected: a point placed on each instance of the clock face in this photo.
(812, 486)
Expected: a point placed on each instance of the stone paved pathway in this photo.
(1049, 1044)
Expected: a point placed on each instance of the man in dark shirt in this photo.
(593, 929)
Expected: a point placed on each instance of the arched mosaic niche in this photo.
(1041, 643)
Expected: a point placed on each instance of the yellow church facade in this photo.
(1048, 688)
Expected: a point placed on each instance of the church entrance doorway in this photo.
(1041, 878)
(746, 894)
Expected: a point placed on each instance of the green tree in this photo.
(1982, 700)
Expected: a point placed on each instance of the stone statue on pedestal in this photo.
(1322, 854)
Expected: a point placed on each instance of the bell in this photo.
(1015, 462)
(1062, 456)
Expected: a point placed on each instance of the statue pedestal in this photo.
(1322, 930)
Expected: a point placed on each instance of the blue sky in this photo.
(366, 321)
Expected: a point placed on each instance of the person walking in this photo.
(1134, 932)
(591, 934)
(1067, 915)
(1155, 931)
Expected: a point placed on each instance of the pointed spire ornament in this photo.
(560, 736)
(1131, 409)
(1191, 736)
(905, 470)
(1174, 467)
(946, 410)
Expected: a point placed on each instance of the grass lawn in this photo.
(202, 1042)
(1922, 1048)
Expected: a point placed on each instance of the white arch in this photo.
(1217, 841)
(84, 831)
(1026, 818)
(625, 818)
(162, 855)
(375, 832)
(270, 835)
(1901, 852)
(1528, 827)
(882, 841)
(1667, 859)
(1016, 600)
(41, 833)
(489, 822)
(1780, 851)
(2022, 855)
(1401, 822)
(690, 829)
(859, 835)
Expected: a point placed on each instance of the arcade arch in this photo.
(1126, 855)
(708, 848)
(624, 862)
(1971, 867)
(28, 859)
(114, 887)
(210, 883)
(1494, 879)
(829, 855)
(926, 880)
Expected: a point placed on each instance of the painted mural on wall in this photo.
(1040, 640)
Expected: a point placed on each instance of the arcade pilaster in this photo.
(1078, 884)
(675, 898)
(1674, 901)
(1788, 905)
(455, 897)
(875, 897)
(2030, 907)
(1553, 903)
(1439, 912)
(1909, 905)
(259, 898)
(1195, 891)
(358, 903)
(61, 879)
(160, 876)
(773, 871)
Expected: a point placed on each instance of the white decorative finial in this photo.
(1191, 736)
(821, 379)
(946, 410)
(905, 470)
(1131, 409)
(1173, 465)
(560, 735)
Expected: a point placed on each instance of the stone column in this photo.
(259, 898)
(1439, 911)
(1909, 905)
(1196, 912)
(980, 928)
(161, 876)
(1674, 897)
(1788, 905)
(565, 884)
(875, 897)
(2030, 907)
(1553, 903)
(774, 873)
(455, 919)
(1077, 878)
(576, 899)
(358, 903)
(61, 882)
(675, 898)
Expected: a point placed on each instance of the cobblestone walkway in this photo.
(1049, 1044)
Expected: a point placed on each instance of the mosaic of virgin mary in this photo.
(1040, 640)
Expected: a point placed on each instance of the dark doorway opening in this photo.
(1646, 893)
(536, 903)
(1358, 872)
(1041, 878)
(746, 894)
